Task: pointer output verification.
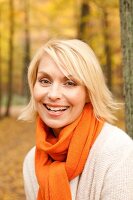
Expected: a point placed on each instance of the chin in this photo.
(55, 127)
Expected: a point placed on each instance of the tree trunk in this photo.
(10, 64)
(107, 49)
(26, 49)
(126, 15)
(0, 70)
(83, 21)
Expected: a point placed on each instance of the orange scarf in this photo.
(59, 160)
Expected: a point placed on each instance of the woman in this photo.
(79, 155)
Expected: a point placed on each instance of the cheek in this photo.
(36, 93)
(77, 98)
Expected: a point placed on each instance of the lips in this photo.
(56, 108)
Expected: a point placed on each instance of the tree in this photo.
(10, 64)
(27, 48)
(107, 48)
(83, 21)
(0, 67)
(126, 11)
(106, 8)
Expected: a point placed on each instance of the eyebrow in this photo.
(44, 74)
(69, 76)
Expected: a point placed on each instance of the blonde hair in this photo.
(79, 60)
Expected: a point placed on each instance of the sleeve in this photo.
(118, 180)
(30, 181)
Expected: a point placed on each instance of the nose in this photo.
(54, 92)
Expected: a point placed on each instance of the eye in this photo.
(45, 81)
(70, 83)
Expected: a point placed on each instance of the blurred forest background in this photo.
(25, 26)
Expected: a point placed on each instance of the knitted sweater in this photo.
(108, 172)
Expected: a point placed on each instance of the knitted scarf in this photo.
(60, 159)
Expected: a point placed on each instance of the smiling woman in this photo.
(78, 153)
(57, 97)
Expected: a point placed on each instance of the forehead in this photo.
(60, 65)
(45, 61)
(48, 64)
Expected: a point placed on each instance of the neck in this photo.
(56, 131)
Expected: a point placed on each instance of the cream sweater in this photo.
(108, 172)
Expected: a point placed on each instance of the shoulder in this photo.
(29, 158)
(109, 166)
(30, 181)
(28, 165)
(29, 162)
(112, 153)
(112, 149)
(116, 163)
(113, 138)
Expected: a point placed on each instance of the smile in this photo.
(56, 109)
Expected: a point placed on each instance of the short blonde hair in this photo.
(79, 60)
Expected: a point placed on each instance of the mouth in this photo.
(56, 108)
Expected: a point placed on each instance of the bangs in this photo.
(68, 62)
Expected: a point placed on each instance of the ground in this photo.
(16, 138)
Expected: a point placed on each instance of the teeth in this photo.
(55, 109)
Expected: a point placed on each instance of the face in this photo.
(59, 98)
